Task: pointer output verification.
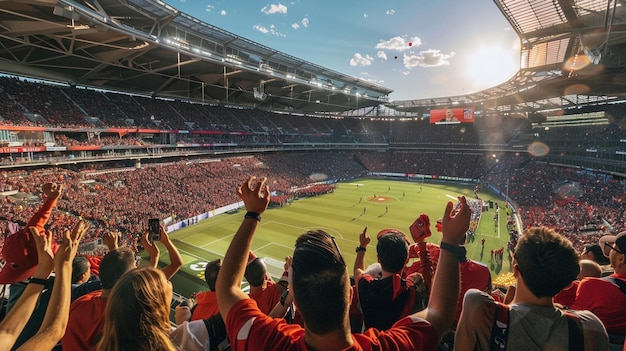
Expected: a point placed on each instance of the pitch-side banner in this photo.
(452, 115)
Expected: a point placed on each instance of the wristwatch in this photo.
(254, 215)
(360, 248)
(458, 250)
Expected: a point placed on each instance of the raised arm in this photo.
(54, 323)
(255, 197)
(14, 322)
(445, 289)
(359, 261)
(152, 248)
(111, 239)
(53, 193)
(176, 260)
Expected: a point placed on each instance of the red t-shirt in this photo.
(567, 296)
(474, 275)
(605, 300)
(85, 322)
(206, 306)
(250, 329)
(266, 299)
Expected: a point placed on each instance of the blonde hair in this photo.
(137, 313)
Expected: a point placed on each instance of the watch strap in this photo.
(458, 250)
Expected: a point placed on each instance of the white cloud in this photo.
(359, 60)
(223, 12)
(304, 22)
(368, 77)
(399, 43)
(427, 58)
(271, 30)
(209, 8)
(365, 15)
(260, 29)
(381, 54)
(274, 8)
(391, 12)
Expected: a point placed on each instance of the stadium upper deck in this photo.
(573, 54)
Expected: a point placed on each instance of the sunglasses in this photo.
(608, 247)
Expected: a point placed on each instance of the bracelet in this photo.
(39, 281)
(458, 250)
(360, 248)
(253, 215)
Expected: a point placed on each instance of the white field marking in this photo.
(357, 184)
(275, 267)
(213, 242)
(309, 228)
(198, 257)
(452, 197)
(270, 244)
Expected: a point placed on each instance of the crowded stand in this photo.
(572, 203)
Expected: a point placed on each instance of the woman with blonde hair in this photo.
(137, 314)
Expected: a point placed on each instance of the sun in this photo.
(488, 66)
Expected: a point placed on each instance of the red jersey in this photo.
(605, 300)
(266, 299)
(250, 329)
(474, 275)
(206, 306)
(85, 322)
(567, 296)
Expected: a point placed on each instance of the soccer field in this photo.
(374, 203)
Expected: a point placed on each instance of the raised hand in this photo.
(67, 251)
(52, 190)
(364, 239)
(45, 257)
(150, 246)
(110, 239)
(420, 229)
(255, 196)
(164, 238)
(288, 261)
(455, 222)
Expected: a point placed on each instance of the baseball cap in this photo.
(20, 254)
(420, 229)
(619, 239)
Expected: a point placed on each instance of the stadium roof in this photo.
(573, 53)
(149, 47)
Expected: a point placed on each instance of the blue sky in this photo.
(420, 49)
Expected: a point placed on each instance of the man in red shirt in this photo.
(588, 268)
(206, 305)
(322, 292)
(263, 290)
(606, 297)
(87, 312)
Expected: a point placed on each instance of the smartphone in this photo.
(154, 229)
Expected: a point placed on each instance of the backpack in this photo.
(500, 329)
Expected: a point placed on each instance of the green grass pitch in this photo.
(344, 213)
